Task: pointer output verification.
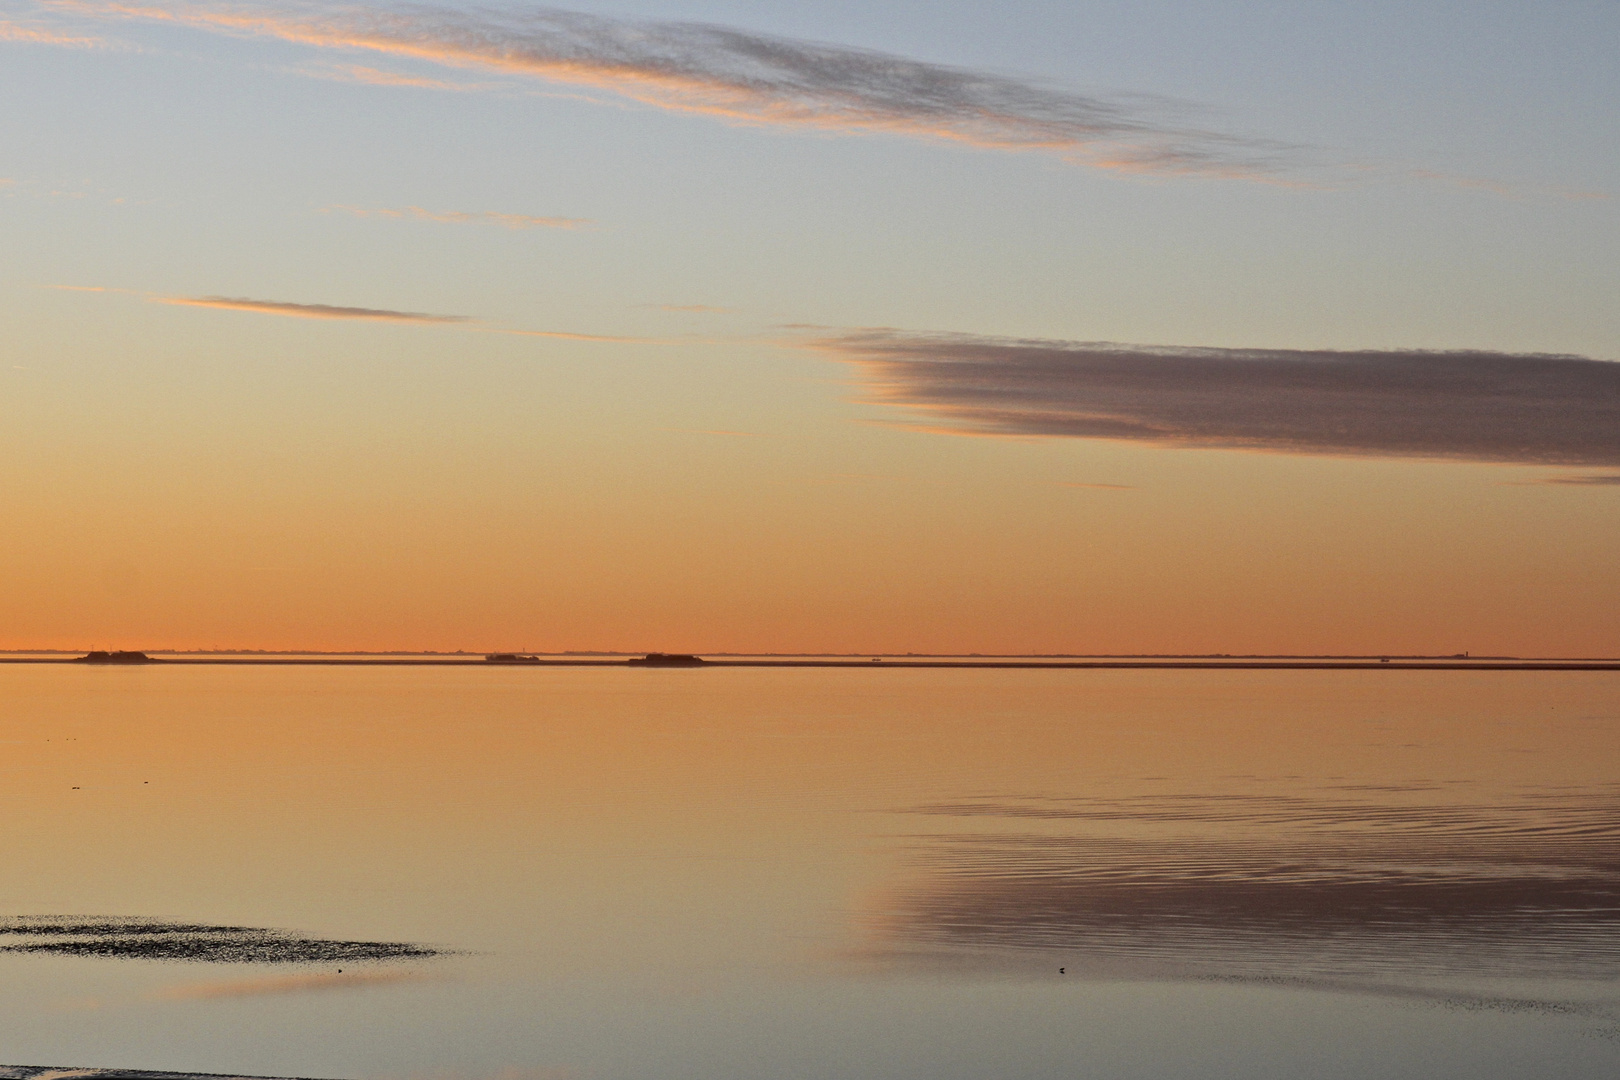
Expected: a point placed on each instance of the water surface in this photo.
(530, 873)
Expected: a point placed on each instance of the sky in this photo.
(1155, 327)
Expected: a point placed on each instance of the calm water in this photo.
(569, 873)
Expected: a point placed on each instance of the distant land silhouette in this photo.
(1205, 661)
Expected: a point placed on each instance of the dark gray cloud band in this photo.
(1521, 408)
(750, 77)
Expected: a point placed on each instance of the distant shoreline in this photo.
(1393, 663)
(572, 655)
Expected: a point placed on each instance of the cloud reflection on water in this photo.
(1271, 887)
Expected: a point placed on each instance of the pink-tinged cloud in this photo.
(751, 78)
(308, 311)
(466, 217)
(36, 35)
(1523, 408)
(370, 76)
(330, 311)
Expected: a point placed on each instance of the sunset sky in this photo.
(1026, 327)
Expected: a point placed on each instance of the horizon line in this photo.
(462, 658)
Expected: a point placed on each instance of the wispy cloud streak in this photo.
(308, 311)
(564, 335)
(37, 35)
(752, 78)
(466, 217)
(287, 309)
(370, 76)
(1587, 480)
(1522, 408)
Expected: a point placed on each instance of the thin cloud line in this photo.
(370, 76)
(329, 312)
(563, 335)
(307, 311)
(463, 217)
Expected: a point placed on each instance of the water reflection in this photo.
(1318, 886)
(653, 872)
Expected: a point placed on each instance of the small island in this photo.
(662, 659)
(99, 656)
(510, 658)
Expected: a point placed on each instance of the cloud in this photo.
(150, 939)
(308, 311)
(753, 78)
(329, 311)
(465, 217)
(564, 335)
(370, 76)
(33, 35)
(1523, 408)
